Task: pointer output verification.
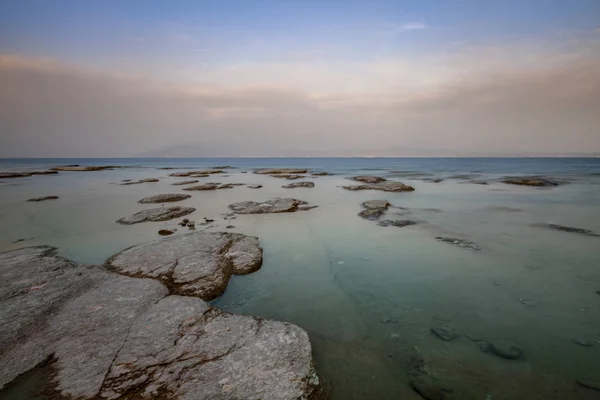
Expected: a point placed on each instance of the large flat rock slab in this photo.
(196, 264)
(156, 214)
(275, 171)
(183, 349)
(270, 206)
(80, 315)
(79, 168)
(13, 174)
(378, 183)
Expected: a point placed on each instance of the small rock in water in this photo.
(18, 241)
(503, 349)
(473, 337)
(443, 331)
(254, 186)
(597, 291)
(208, 219)
(571, 229)
(458, 242)
(165, 232)
(191, 225)
(36, 199)
(582, 341)
(230, 226)
(398, 224)
(184, 222)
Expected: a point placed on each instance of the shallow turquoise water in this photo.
(368, 294)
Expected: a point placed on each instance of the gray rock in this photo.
(531, 181)
(185, 182)
(211, 186)
(36, 199)
(79, 314)
(157, 214)
(433, 180)
(75, 168)
(397, 223)
(466, 244)
(119, 337)
(196, 264)
(182, 348)
(254, 186)
(148, 180)
(444, 331)
(184, 222)
(374, 209)
(306, 207)
(275, 171)
(298, 185)
(230, 226)
(223, 167)
(322, 173)
(376, 204)
(197, 174)
(165, 198)
(270, 206)
(424, 381)
(369, 179)
(7, 175)
(384, 185)
(503, 349)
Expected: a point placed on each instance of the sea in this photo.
(369, 295)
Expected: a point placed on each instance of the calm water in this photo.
(366, 294)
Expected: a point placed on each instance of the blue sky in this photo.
(477, 76)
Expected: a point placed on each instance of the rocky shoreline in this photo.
(140, 335)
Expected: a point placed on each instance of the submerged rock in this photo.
(589, 384)
(165, 198)
(7, 175)
(570, 229)
(503, 349)
(378, 183)
(424, 381)
(536, 182)
(148, 180)
(204, 186)
(467, 244)
(275, 171)
(289, 177)
(223, 167)
(397, 223)
(581, 341)
(84, 168)
(298, 185)
(185, 183)
(321, 173)
(254, 186)
(195, 264)
(444, 331)
(157, 214)
(113, 336)
(43, 198)
(270, 206)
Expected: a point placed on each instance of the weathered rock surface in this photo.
(503, 349)
(533, 181)
(254, 186)
(299, 185)
(369, 179)
(195, 264)
(378, 183)
(118, 337)
(374, 209)
(183, 349)
(148, 180)
(185, 183)
(397, 223)
(25, 174)
(571, 229)
(213, 186)
(270, 206)
(467, 244)
(157, 214)
(197, 174)
(84, 168)
(165, 198)
(275, 171)
(43, 198)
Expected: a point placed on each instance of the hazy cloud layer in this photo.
(489, 100)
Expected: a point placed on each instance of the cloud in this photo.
(518, 99)
(412, 26)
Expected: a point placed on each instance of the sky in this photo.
(262, 78)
